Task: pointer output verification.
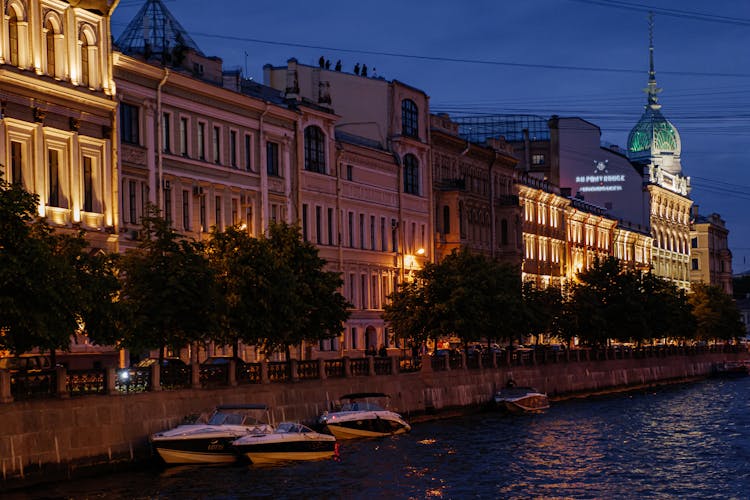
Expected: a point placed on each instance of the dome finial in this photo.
(652, 89)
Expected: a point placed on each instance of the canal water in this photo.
(682, 441)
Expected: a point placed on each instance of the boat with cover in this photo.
(363, 415)
(521, 399)
(210, 440)
(290, 441)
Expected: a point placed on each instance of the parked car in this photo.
(25, 363)
(131, 375)
(222, 360)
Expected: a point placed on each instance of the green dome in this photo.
(653, 135)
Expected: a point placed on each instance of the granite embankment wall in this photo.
(43, 437)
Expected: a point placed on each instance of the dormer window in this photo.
(409, 118)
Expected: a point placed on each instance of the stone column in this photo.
(347, 367)
(426, 364)
(464, 364)
(155, 377)
(264, 372)
(371, 366)
(294, 370)
(110, 378)
(5, 394)
(232, 375)
(395, 364)
(195, 375)
(61, 374)
(322, 369)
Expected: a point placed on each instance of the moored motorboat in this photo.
(521, 399)
(210, 441)
(362, 415)
(731, 369)
(290, 441)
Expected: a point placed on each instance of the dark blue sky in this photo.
(586, 58)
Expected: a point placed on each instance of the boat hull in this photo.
(287, 448)
(521, 400)
(366, 428)
(196, 451)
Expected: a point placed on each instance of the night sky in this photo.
(585, 58)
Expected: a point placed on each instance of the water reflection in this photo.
(688, 441)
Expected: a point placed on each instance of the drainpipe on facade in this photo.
(160, 142)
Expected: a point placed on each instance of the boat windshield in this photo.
(361, 406)
(220, 418)
(287, 427)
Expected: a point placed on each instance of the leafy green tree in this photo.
(668, 314)
(466, 295)
(716, 314)
(543, 308)
(302, 300)
(169, 291)
(37, 286)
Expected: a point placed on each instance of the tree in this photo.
(466, 295)
(716, 314)
(37, 288)
(169, 290)
(302, 301)
(543, 309)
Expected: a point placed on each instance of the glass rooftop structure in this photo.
(480, 128)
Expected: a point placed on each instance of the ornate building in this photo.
(654, 145)
(57, 112)
(364, 184)
(710, 257)
(476, 198)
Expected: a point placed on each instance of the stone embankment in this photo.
(56, 437)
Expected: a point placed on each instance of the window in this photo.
(184, 136)
(50, 41)
(363, 291)
(272, 158)
(248, 153)
(362, 231)
(394, 235)
(217, 214)
(13, 37)
(304, 222)
(318, 227)
(132, 208)
(88, 186)
(446, 219)
(409, 118)
(537, 159)
(168, 202)
(233, 148)
(315, 150)
(85, 69)
(55, 196)
(504, 232)
(694, 243)
(186, 210)
(411, 174)
(330, 226)
(165, 132)
(235, 211)
(202, 210)
(351, 229)
(695, 264)
(216, 143)
(383, 242)
(372, 232)
(129, 123)
(349, 173)
(354, 338)
(202, 141)
(16, 160)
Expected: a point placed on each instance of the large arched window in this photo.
(315, 150)
(411, 174)
(85, 78)
(409, 118)
(13, 37)
(50, 42)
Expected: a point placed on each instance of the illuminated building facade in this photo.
(476, 198)
(57, 112)
(710, 257)
(364, 185)
(654, 145)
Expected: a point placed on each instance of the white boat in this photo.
(290, 441)
(362, 415)
(210, 442)
(521, 399)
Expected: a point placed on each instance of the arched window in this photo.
(411, 174)
(50, 41)
(409, 118)
(315, 150)
(85, 68)
(446, 219)
(13, 37)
